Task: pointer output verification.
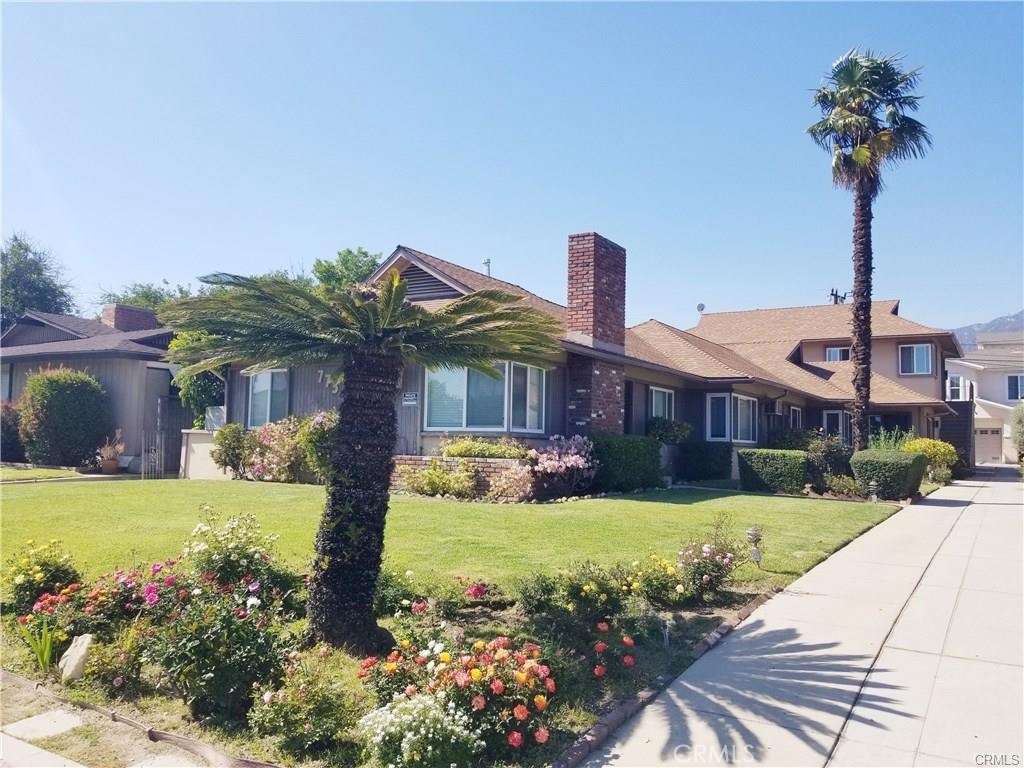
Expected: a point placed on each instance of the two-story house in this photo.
(735, 376)
(992, 376)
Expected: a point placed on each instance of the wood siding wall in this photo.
(35, 334)
(124, 380)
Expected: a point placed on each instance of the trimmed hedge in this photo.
(704, 461)
(627, 462)
(10, 441)
(65, 417)
(898, 474)
(772, 469)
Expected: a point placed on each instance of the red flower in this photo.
(602, 626)
(628, 660)
(23, 620)
(368, 662)
(600, 647)
(515, 739)
(520, 712)
(550, 684)
(599, 671)
(479, 702)
(498, 686)
(628, 641)
(419, 607)
(541, 735)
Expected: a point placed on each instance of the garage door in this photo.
(988, 444)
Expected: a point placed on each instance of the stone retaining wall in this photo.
(485, 468)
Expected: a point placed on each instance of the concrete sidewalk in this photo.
(946, 684)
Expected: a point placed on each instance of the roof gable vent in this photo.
(422, 285)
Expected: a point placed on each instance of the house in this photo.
(124, 350)
(735, 376)
(991, 377)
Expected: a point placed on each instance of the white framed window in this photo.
(744, 419)
(1015, 386)
(955, 387)
(717, 417)
(838, 423)
(460, 398)
(915, 359)
(836, 354)
(661, 403)
(527, 398)
(796, 417)
(268, 397)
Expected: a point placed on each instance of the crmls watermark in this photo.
(698, 754)
(1001, 759)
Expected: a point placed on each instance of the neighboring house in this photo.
(735, 376)
(992, 376)
(124, 350)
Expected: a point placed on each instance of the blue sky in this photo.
(149, 141)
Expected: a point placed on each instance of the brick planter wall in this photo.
(485, 469)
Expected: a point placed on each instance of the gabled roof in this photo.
(150, 344)
(76, 326)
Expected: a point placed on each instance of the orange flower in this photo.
(627, 641)
(520, 712)
(550, 684)
(540, 701)
(600, 647)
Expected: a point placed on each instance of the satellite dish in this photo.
(700, 307)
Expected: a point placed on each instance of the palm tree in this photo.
(865, 127)
(370, 332)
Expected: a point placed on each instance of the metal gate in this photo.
(161, 448)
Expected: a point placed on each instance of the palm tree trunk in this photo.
(350, 542)
(860, 351)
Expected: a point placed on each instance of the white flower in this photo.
(680, 588)
(252, 602)
(408, 574)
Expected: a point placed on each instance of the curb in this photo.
(623, 709)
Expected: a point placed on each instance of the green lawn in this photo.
(26, 473)
(110, 524)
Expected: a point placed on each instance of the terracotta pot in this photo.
(109, 466)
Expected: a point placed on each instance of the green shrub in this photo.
(843, 485)
(316, 436)
(117, 666)
(897, 474)
(11, 448)
(939, 453)
(394, 591)
(65, 416)
(438, 480)
(668, 431)
(826, 455)
(1017, 429)
(477, 447)
(942, 475)
(770, 469)
(704, 461)
(199, 392)
(792, 439)
(34, 570)
(890, 439)
(627, 462)
(233, 447)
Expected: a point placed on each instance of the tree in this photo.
(30, 278)
(371, 333)
(865, 127)
(347, 268)
(1017, 430)
(149, 295)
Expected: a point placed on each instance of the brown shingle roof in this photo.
(127, 343)
(78, 326)
(884, 391)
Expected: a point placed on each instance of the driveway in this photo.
(902, 649)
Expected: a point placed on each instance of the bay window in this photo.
(661, 403)
(460, 398)
(268, 397)
(915, 359)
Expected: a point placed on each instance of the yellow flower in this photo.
(405, 643)
(37, 576)
(445, 656)
(570, 607)
(670, 571)
(521, 678)
(476, 674)
(19, 579)
(478, 645)
(635, 585)
(603, 597)
(390, 666)
(24, 561)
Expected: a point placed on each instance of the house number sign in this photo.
(410, 398)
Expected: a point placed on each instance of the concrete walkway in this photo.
(903, 648)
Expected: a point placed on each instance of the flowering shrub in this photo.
(612, 652)
(438, 480)
(591, 592)
(278, 455)
(566, 467)
(308, 711)
(477, 447)
(217, 643)
(117, 667)
(940, 453)
(704, 569)
(394, 591)
(421, 731)
(316, 436)
(504, 691)
(656, 579)
(35, 570)
(512, 484)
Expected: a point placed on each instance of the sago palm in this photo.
(865, 127)
(369, 333)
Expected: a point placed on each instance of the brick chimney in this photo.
(596, 313)
(125, 318)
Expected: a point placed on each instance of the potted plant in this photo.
(109, 453)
